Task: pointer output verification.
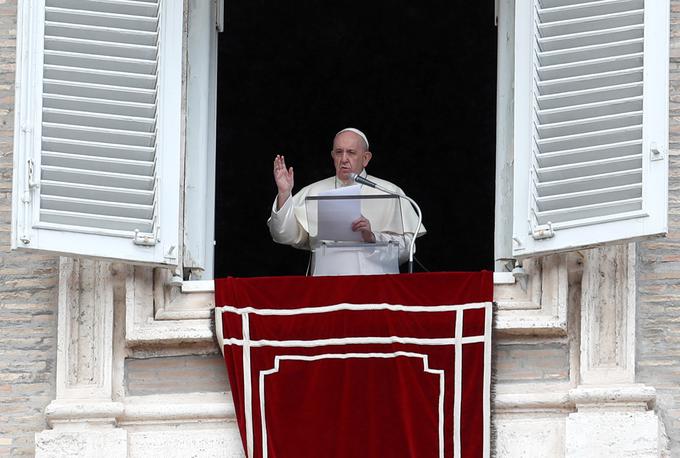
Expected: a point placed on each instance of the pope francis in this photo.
(288, 223)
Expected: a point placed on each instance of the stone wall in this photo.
(658, 278)
(28, 291)
(175, 374)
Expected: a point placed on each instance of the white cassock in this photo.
(289, 225)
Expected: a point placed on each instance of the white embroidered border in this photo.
(355, 341)
(457, 342)
(359, 307)
(486, 400)
(457, 387)
(426, 368)
(247, 385)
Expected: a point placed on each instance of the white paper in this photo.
(337, 215)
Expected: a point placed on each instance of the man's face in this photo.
(349, 155)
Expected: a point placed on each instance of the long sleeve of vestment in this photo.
(284, 226)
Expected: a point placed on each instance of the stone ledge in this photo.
(170, 332)
(178, 408)
(64, 413)
(508, 323)
(533, 402)
(599, 397)
(153, 409)
(560, 398)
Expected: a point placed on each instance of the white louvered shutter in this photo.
(97, 135)
(591, 122)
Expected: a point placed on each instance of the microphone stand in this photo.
(412, 246)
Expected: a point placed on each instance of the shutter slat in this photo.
(589, 183)
(100, 48)
(126, 7)
(579, 25)
(555, 3)
(590, 110)
(597, 167)
(124, 64)
(589, 211)
(98, 163)
(82, 176)
(116, 21)
(596, 196)
(619, 91)
(591, 52)
(107, 34)
(94, 134)
(89, 119)
(586, 10)
(604, 137)
(590, 67)
(97, 207)
(585, 82)
(98, 148)
(96, 192)
(590, 153)
(103, 77)
(99, 91)
(114, 107)
(584, 125)
(96, 221)
(592, 37)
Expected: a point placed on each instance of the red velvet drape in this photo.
(364, 379)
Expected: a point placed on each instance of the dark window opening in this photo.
(418, 78)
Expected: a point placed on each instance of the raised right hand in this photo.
(283, 178)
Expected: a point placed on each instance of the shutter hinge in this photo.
(657, 153)
(544, 231)
(144, 239)
(31, 174)
(30, 181)
(170, 254)
(27, 196)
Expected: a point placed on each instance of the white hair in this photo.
(356, 131)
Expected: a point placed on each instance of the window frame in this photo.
(202, 28)
(527, 305)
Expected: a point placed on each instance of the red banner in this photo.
(359, 366)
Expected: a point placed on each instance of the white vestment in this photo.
(289, 224)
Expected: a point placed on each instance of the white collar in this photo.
(340, 184)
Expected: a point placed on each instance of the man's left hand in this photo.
(364, 226)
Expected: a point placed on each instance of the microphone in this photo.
(365, 181)
(412, 247)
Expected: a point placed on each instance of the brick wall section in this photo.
(658, 312)
(28, 291)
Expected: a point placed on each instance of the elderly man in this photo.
(288, 222)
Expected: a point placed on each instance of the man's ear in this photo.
(367, 157)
